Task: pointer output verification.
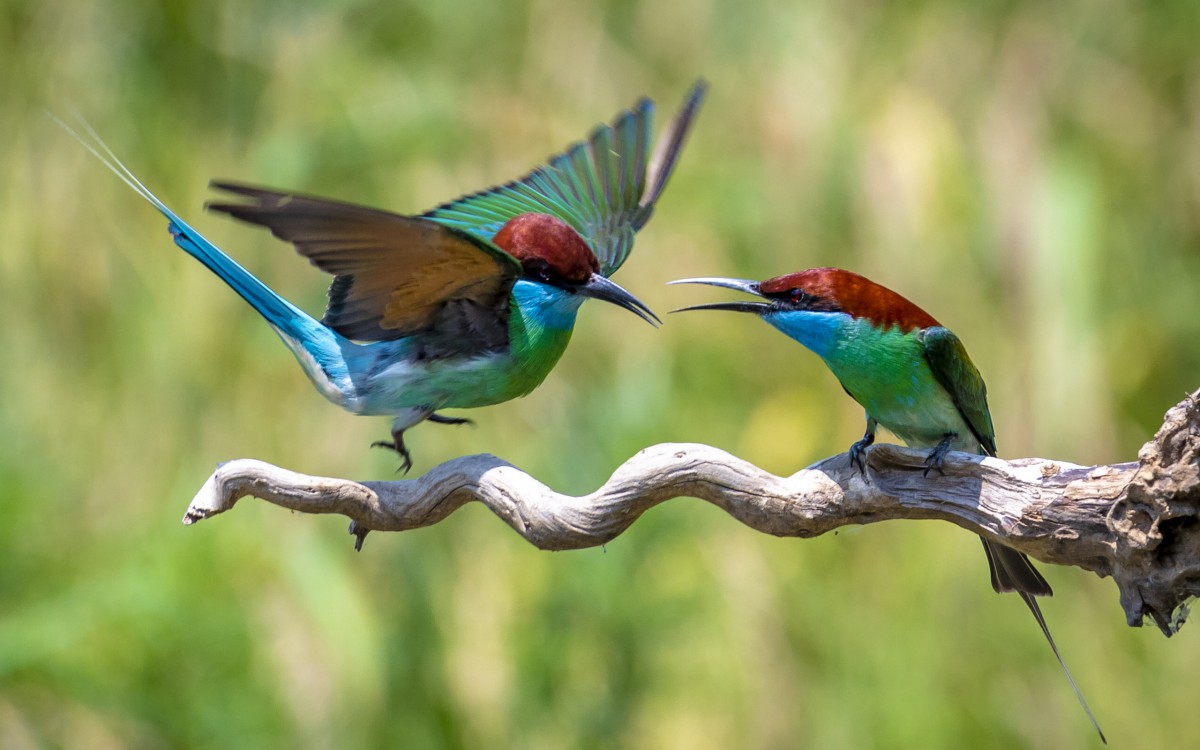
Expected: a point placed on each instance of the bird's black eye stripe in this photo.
(798, 299)
(792, 296)
(540, 270)
(801, 298)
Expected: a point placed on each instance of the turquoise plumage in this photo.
(466, 305)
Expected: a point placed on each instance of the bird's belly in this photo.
(458, 382)
(925, 422)
(391, 379)
(898, 390)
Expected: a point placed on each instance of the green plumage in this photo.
(595, 186)
(917, 397)
(909, 373)
(954, 371)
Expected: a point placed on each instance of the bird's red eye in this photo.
(797, 295)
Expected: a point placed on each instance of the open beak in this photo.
(741, 285)
(601, 288)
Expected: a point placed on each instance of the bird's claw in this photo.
(937, 456)
(858, 452)
(930, 464)
(397, 445)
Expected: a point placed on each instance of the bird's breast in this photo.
(396, 377)
(391, 376)
(887, 373)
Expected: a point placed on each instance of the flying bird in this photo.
(466, 305)
(908, 372)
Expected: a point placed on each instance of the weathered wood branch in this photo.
(1138, 522)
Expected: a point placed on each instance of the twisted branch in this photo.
(1138, 522)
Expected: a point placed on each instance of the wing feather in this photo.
(604, 187)
(953, 369)
(395, 276)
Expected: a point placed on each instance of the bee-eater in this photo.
(469, 304)
(908, 372)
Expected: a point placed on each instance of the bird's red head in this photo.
(837, 290)
(548, 249)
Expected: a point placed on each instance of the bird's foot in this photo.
(937, 456)
(858, 452)
(397, 444)
(439, 419)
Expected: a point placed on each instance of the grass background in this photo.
(1028, 172)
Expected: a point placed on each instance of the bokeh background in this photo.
(1029, 172)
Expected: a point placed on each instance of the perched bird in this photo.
(469, 304)
(909, 373)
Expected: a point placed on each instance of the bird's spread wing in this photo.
(395, 276)
(956, 373)
(604, 187)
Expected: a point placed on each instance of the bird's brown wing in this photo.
(395, 275)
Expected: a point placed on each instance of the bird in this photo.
(466, 305)
(909, 373)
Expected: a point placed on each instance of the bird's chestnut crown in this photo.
(548, 249)
(838, 290)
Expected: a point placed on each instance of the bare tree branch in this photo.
(1138, 522)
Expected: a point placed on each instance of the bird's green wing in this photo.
(953, 369)
(604, 187)
(395, 276)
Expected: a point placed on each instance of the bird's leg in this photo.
(858, 450)
(439, 419)
(409, 418)
(937, 456)
(397, 444)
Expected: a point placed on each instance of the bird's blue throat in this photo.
(818, 331)
(547, 306)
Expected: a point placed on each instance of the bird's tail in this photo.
(1012, 571)
(1037, 613)
(318, 348)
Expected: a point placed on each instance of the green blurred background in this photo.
(1029, 173)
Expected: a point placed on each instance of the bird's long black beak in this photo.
(600, 287)
(741, 285)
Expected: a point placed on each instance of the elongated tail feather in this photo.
(278, 311)
(1037, 613)
(1013, 572)
(318, 349)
